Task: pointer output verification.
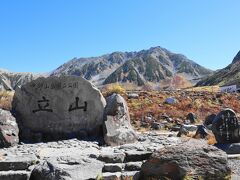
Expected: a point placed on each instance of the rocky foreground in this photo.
(80, 160)
(75, 159)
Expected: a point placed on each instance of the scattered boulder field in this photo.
(166, 109)
(64, 128)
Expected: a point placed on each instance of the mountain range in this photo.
(156, 67)
(153, 66)
(11, 80)
(229, 75)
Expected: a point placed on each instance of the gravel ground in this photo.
(235, 165)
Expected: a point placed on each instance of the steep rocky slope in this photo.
(226, 76)
(147, 66)
(95, 69)
(10, 80)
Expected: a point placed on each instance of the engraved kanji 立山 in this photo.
(43, 105)
(76, 105)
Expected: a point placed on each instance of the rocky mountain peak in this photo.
(236, 58)
(226, 76)
(157, 66)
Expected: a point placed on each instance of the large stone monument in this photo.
(225, 127)
(58, 108)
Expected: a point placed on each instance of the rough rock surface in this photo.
(185, 129)
(58, 108)
(12, 80)
(117, 127)
(111, 176)
(68, 168)
(193, 159)
(209, 120)
(234, 163)
(192, 117)
(171, 100)
(202, 132)
(69, 158)
(117, 167)
(226, 76)
(17, 165)
(233, 148)
(8, 129)
(111, 156)
(18, 161)
(225, 127)
(133, 96)
(15, 175)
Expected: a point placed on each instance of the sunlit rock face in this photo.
(57, 108)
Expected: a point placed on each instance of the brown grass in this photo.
(6, 99)
(200, 103)
(213, 89)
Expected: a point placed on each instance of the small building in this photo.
(229, 89)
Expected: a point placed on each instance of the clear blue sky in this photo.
(40, 35)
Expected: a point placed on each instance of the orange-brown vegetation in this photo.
(6, 99)
(201, 104)
(180, 81)
(213, 89)
(211, 139)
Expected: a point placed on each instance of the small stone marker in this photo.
(225, 127)
(57, 108)
(117, 128)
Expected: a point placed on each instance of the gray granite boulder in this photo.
(111, 176)
(67, 168)
(193, 159)
(233, 148)
(115, 167)
(17, 162)
(16, 166)
(225, 127)
(192, 117)
(171, 100)
(133, 96)
(209, 120)
(8, 129)
(135, 155)
(133, 166)
(111, 156)
(133, 175)
(202, 132)
(117, 126)
(56, 108)
(15, 175)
